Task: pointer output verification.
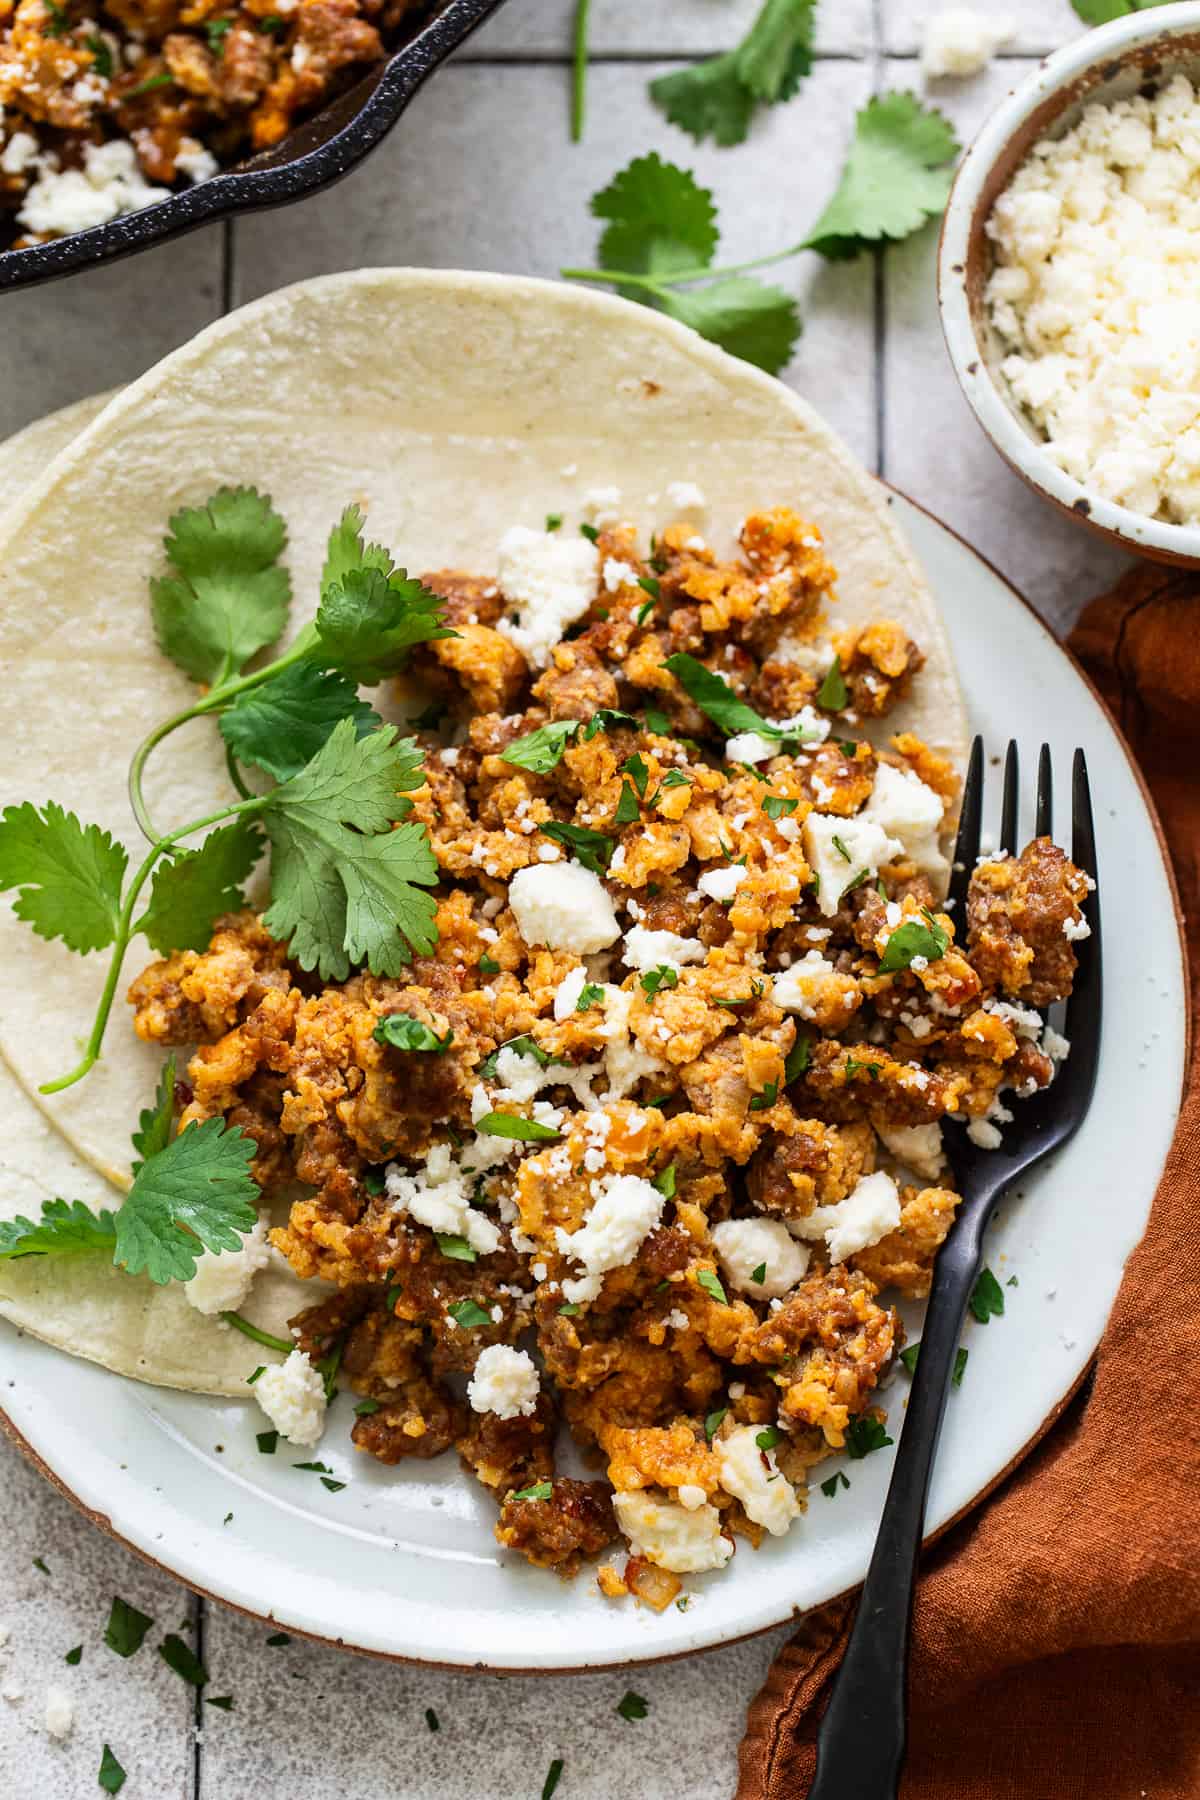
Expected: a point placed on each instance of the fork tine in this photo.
(1084, 1006)
(1008, 806)
(966, 844)
(1044, 819)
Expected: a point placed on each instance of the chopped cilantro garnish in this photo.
(589, 995)
(759, 1275)
(606, 718)
(715, 698)
(592, 848)
(589, 532)
(177, 1656)
(512, 1125)
(653, 981)
(664, 1181)
(1012, 1282)
(864, 1434)
(520, 1046)
(267, 1441)
(111, 1776)
(840, 847)
(40, 1565)
(987, 1297)
(374, 1180)
(75, 1656)
(553, 521)
(403, 1032)
(853, 1067)
(912, 939)
(148, 86)
(102, 60)
(769, 1437)
(223, 1701)
(838, 1478)
(833, 694)
(628, 812)
(365, 1408)
(541, 751)
(650, 585)
(540, 1490)
(798, 1059)
(712, 1423)
(456, 1248)
(909, 1355)
(278, 1640)
(657, 722)
(251, 1379)
(127, 1627)
(711, 1283)
(569, 1309)
(488, 965)
(776, 805)
(632, 1706)
(469, 1315)
(635, 767)
(216, 30)
(431, 1718)
(643, 612)
(674, 778)
(766, 1098)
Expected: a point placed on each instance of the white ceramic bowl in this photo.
(1103, 65)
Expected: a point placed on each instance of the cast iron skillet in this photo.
(316, 153)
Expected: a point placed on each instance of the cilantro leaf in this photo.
(541, 1490)
(177, 1656)
(663, 975)
(541, 750)
(127, 1627)
(910, 1353)
(712, 1423)
(664, 1181)
(512, 1125)
(864, 1434)
(913, 939)
(403, 1032)
(192, 888)
(195, 1194)
(553, 1777)
(833, 694)
(711, 1283)
(111, 1776)
(345, 886)
(606, 718)
(987, 1297)
(776, 805)
(228, 597)
(633, 1706)
(469, 1315)
(769, 1437)
(1100, 12)
(282, 724)
(714, 696)
(798, 1059)
(748, 318)
(718, 98)
(660, 219)
(591, 848)
(369, 621)
(455, 1247)
(68, 875)
(628, 811)
(829, 1488)
(895, 177)
(154, 1122)
(346, 551)
(66, 1228)
(589, 995)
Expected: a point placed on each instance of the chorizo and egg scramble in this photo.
(106, 107)
(648, 1142)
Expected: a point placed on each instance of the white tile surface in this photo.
(480, 173)
(661, 28)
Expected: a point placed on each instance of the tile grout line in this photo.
(199, 1610)
(561, 59)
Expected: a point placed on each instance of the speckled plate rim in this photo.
(708, 1631)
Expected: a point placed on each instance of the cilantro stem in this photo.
(579, 79)
(678, 277)
(125, 930)
(255, 1335)
(235, 774)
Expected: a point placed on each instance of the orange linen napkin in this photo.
(1056, 1643)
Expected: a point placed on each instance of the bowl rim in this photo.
(254, 189)
(1064, 67)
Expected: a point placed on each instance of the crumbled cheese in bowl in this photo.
(1095, 298)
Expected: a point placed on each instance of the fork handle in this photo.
(862, 1738)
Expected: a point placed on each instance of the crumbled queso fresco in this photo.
(648, 1145)
(1095, 297)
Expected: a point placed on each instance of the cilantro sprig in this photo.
(661, 231)
(347, 873)
(718, 98)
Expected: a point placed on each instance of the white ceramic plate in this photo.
(402, 1562)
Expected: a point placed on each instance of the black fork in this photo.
(861, 1743)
